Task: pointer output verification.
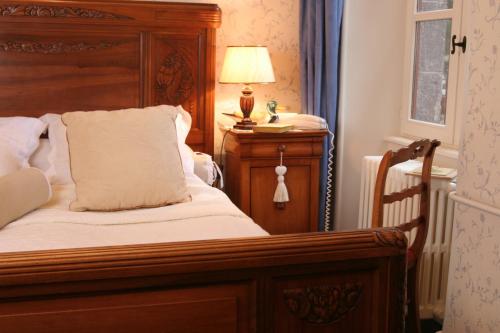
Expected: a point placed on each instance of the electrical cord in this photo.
(222, 147)
(329, 181)
(217, 170)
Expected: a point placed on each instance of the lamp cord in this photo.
(222, 147)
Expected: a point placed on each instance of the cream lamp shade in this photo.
(247, 64)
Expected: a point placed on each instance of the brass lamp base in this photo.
(246, 105)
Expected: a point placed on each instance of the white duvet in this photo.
(210, 215)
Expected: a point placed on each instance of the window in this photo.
(433, 73)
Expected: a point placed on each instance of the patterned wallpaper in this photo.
(480, 161)
(473, 298)
(273, 23)
(473, 295)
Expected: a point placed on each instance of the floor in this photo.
(430, 326)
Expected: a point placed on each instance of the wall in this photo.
(370, 101)
(273, 23)
(473, 297)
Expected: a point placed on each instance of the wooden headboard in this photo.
(58, 56)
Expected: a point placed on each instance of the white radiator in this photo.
(436, 255)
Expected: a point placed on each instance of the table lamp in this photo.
(246, 65)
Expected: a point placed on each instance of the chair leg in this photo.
(413, 315)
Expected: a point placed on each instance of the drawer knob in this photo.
(281, 148)
(280, 205)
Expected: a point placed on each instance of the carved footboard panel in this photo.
(325, 282)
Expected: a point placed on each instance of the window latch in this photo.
(462, 44)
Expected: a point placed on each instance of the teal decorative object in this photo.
(271, 110)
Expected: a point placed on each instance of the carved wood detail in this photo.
(53, 47)
(174, 80)
(414, 150)
(323, 304)
(29, 10)
(390, 237)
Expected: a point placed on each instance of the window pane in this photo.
(430, 74)
(427, 5)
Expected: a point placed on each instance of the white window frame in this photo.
(448, 133)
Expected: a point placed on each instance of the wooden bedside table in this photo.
(251, 179)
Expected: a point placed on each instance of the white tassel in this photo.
(281, 193)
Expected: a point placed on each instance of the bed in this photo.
(214, 270)
(209, 215)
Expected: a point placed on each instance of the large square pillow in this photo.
(59, 171)
(125, 159)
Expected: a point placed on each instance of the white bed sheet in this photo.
(210, 215)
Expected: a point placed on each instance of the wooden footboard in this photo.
(324, 282)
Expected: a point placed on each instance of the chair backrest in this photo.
(422, 148)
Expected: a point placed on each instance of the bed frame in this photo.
(60, 55)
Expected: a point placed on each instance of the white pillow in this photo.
(183, 125)
(8, 162)
(40, 159)
(59, 153)
(19, 138)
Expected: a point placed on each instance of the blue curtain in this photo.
(320, 23)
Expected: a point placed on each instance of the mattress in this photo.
(210, 215)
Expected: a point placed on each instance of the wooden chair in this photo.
(423, 148)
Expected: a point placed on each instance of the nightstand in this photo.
(251, 180)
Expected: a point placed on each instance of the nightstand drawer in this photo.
(266, 145)
(272, 149)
